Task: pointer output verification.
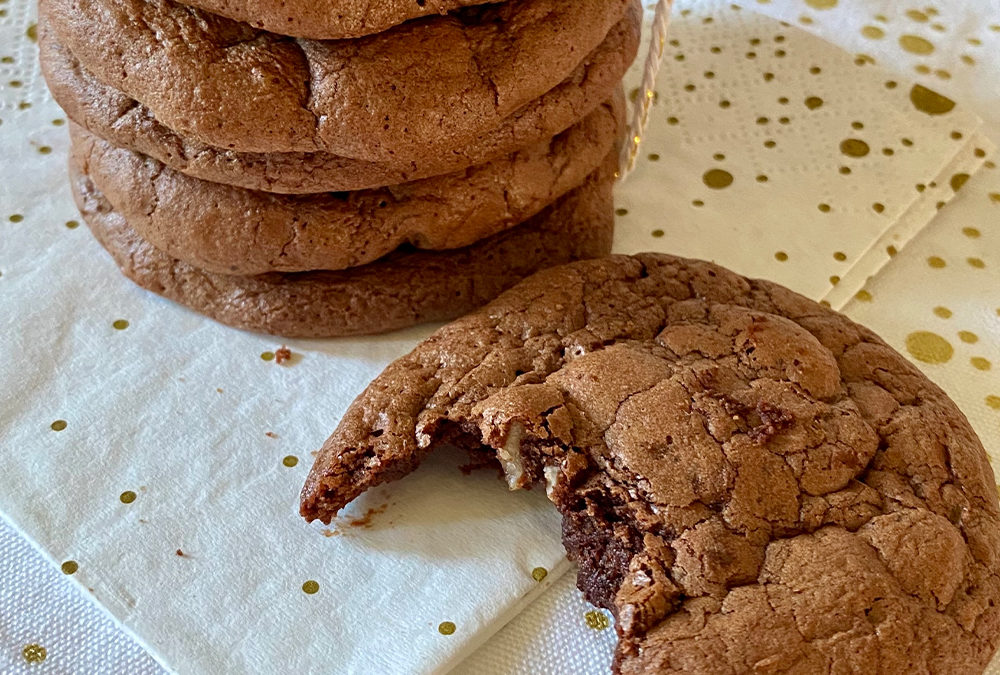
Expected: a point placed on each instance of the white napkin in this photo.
(207, 565)
(719, 191)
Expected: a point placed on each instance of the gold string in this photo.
(640, 111)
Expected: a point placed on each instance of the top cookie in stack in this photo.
(322, 168)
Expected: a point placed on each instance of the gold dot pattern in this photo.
(854, 147)
(942, 312)
(69, 567)
(539, 573)
(267, 356)
(968, 337)
(446, 628)
(916, 44)
(596, 620)
(34, 653)
(958, 180)
(717, 179)
(873, 32)
(58, 425)
(936, 262)
(929, 347)
(119, 324)
(310, 587)
(929, 101)
(290, 461)
(979, 363)
(993, 401)
(127, 497)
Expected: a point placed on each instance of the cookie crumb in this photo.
(282, 355)
(270, 434)
(365, 521)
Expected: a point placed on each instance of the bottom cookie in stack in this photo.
(232, 230)
(402, 289)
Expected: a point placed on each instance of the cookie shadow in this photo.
(441, 511)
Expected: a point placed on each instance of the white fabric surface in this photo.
(450, 547)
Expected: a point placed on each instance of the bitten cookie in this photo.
(421, 88)
(230, 230)
(749, 481)
(328, 19)
(124, 122)
(402, 289)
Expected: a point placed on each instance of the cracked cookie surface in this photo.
(328, 19)
(229, 230)
(402, 289)
(421, 88)
(123, 121)
(749, 481)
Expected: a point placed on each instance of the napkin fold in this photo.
(162, 456)
(775, 153)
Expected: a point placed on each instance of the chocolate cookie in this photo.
(749, 481)
(124, 122)
(424, 87)
(229, 230)
(328, 19)
(402, 289)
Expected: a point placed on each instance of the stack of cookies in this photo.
(314, 168)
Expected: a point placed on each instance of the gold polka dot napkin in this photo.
(157, 455)
(781, 155)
